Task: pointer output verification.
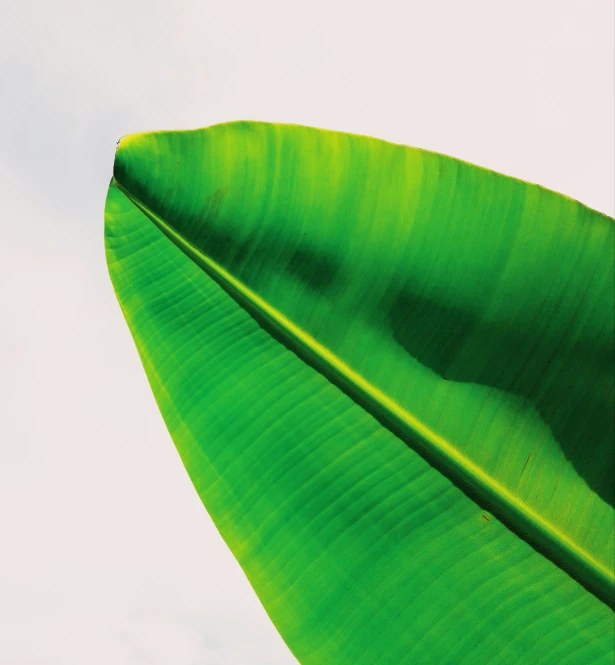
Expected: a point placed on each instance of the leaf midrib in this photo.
(462, 471)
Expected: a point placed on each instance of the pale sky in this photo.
(107, 556)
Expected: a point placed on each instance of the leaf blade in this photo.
(256, 584)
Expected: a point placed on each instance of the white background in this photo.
(106, 554)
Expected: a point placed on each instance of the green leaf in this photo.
(390, 376)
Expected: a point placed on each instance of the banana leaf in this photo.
(390, 376)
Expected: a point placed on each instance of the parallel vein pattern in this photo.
(477, 303)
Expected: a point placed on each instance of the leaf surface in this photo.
(390, 377)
